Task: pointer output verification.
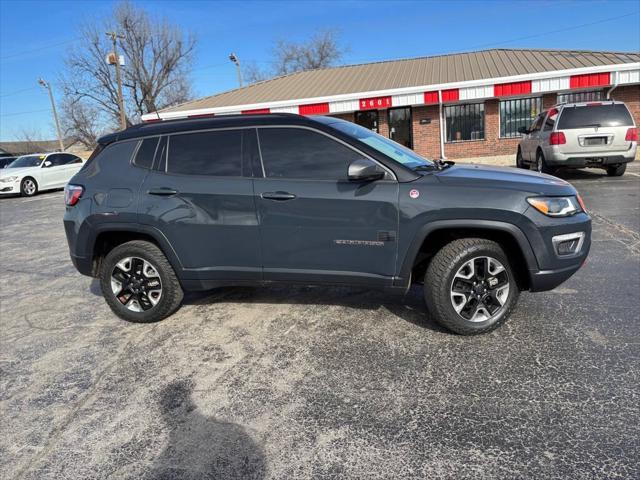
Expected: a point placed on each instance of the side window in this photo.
(538, 123)
(300, 153)
(551, 119)
(217, 153)
(114, 154)
(69, 159)
(56, 159)
(145, 153)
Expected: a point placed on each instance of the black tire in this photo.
(519, 160)
(439, 283)
(617, 170)
(541, 164)
(171, 291)
(28, 187)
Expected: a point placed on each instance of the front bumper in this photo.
(9, 188)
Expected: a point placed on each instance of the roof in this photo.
(395, 74)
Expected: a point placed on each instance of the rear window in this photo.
(611, 115)
(207, 153)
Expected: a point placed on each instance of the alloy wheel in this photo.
(136, 284)
(480, 289)
(29, 186)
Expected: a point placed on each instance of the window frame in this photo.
(517, 135)
(484, 122)
(389, 176)
(155, 153)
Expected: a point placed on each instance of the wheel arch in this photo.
(434, 236)
(109, 236)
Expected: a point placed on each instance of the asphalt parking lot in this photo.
(319, 382)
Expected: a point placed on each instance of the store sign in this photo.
(374, 103)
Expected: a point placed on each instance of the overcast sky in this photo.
(34, 36)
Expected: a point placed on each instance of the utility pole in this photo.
(235, 60)
(55, 113)
(114, 38)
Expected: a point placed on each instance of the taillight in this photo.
(72, 194)
(557, 138)
(632, 135)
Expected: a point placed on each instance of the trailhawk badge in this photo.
(414, 193)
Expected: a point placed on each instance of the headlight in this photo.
(8, 179)
(556, 206)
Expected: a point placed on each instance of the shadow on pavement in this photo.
(409, 307)
(201, 447)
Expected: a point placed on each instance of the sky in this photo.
(35, 36)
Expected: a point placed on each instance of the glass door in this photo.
(368, 119)
(400, 126)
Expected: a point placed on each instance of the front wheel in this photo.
(617, 170)
(139, 283)
(470, 286)
(28, 187)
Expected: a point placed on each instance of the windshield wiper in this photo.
(426, 168)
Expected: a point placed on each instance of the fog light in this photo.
(568, 244)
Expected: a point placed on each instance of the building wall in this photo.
(426, 136)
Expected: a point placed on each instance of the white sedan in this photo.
(30, 174)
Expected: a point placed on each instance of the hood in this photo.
(10, 172)
(504, 178)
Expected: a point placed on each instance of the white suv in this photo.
(598, 134)
(29, 174)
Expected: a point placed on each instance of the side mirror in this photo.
(47, 163)
(365, 170)
(523, 130)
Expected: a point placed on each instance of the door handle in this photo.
(162, 191)
(279, 196)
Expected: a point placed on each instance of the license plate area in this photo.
(594, 141)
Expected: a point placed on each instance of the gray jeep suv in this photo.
(598, 134)
(196, 204)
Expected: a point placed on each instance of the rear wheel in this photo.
(519, 160)
(541, 164)
(616, 170)
(28, 187)
(470, 287)
(139, 283)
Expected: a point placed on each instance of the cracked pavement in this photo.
(295, 382)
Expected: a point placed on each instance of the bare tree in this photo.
(82, 122)
(32, 141)
(320, 51)
(156, 73)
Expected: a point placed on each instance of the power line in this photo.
(17, 92)
(12, 114)
(27, 52)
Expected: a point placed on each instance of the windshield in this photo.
(391, 149)
(27, 161)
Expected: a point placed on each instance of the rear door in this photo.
(316, 225)
(53, 171)
(200, 196)
(595, 128)
(529, 142)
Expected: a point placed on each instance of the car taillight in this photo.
(632, 135)
(72, 194)
(557, 138)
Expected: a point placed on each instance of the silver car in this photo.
(593, 134)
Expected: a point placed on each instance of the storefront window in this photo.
(464, 122)
(572, 97)
(517, 113)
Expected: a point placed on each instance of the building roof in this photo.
(34, 146)
(397, 74)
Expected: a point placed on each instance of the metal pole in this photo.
(55, 112)
(239, 74)
(123, 118)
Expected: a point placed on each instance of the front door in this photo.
(400, 126)
(200, 197)
(368, 119)
(54, 172)
(315, 224)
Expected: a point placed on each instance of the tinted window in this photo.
(537, 124)
(206, 153)
(68, 159)
(115, 152)
(551, 119)
(612, 115)
(56, 159)
(144, 156)
(299, 153)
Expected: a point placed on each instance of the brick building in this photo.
(452, 106)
